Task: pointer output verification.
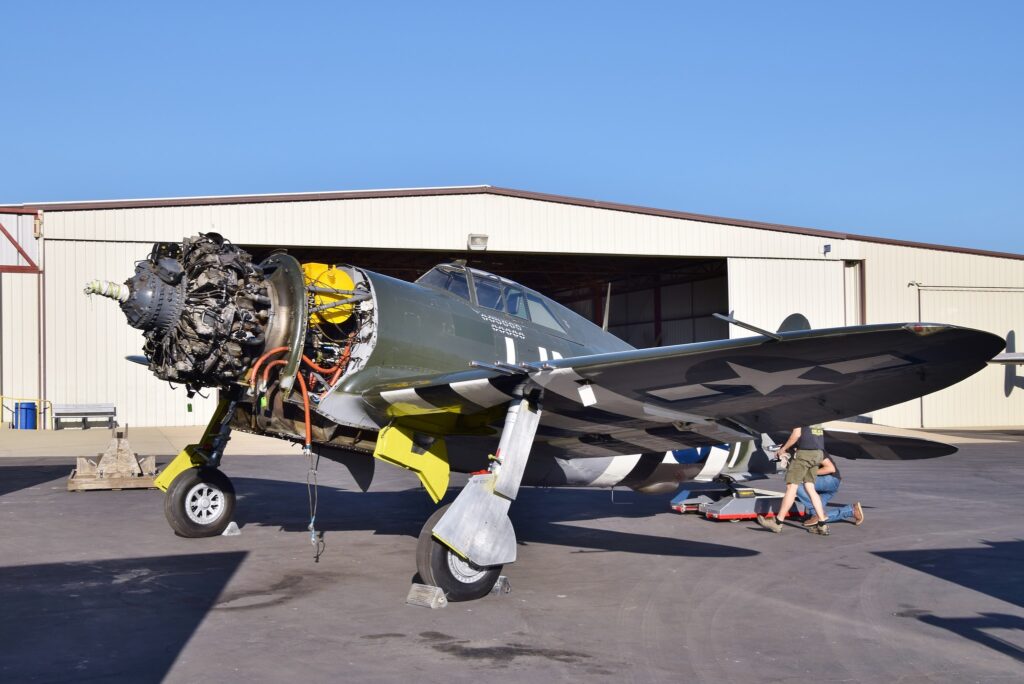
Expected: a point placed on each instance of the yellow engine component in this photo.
(328, 277)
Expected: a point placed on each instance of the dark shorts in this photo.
(804, 466)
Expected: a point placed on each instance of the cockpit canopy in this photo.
(492, 292)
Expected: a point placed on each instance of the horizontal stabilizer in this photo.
(868, 445)
(1008, 359)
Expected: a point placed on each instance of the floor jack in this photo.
(727, 500)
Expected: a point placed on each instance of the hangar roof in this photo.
(491, 190)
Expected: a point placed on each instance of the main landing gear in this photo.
(464, 545)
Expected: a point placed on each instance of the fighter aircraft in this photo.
(469, 372)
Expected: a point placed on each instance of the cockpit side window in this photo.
(488, 292)
(515, 302)
(457, 284)
(541, 315)
(446, 279)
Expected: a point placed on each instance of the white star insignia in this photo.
(767, 382)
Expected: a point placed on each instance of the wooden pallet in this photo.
(116, 468)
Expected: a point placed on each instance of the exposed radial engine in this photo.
(212, 317)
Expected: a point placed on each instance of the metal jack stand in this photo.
(116, 468)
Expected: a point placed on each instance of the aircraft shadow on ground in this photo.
(124, 620)
(974, 628)
(993, 569)
(536, 515)
(14, 478)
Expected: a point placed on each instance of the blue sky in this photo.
(900, 120)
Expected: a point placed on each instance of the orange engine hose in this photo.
(305, 406)
(259, 362)
(272, 364)
(305, 395)
(318, 369)
(342, 363)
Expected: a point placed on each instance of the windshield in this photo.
(494, 293)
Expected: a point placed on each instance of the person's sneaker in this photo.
(810, 522)
(770, 524)
(858, 514)
(820, 528)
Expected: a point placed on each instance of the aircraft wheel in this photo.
(199, 503)
(439, 566)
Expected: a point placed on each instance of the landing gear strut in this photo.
(465, 544)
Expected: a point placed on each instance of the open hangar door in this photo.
(655, 301)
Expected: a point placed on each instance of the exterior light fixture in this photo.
(826, 249)
(476, 242)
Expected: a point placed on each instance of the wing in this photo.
(651, 400)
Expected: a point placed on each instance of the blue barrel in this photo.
(25, 415)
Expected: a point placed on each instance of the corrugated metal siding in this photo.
(1001, 312)
(19, 335)
(87, 340)
(981, 400)
(764, 292)
(442, 223)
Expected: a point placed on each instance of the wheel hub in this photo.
(204, 504)
(463, 570)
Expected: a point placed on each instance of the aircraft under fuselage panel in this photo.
(470, 372)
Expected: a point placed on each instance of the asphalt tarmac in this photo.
(95, 587)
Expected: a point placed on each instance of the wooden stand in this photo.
(116, 468)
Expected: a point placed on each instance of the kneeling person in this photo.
(827, 483)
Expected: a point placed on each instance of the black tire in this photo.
(440, 567)
(199, 503)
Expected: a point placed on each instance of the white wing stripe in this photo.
(409, 397)
(481, 392)
(565, 382)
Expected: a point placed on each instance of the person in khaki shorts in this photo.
(802, 470)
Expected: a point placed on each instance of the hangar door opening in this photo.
(655, 301)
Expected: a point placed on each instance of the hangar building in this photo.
(668, 272)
